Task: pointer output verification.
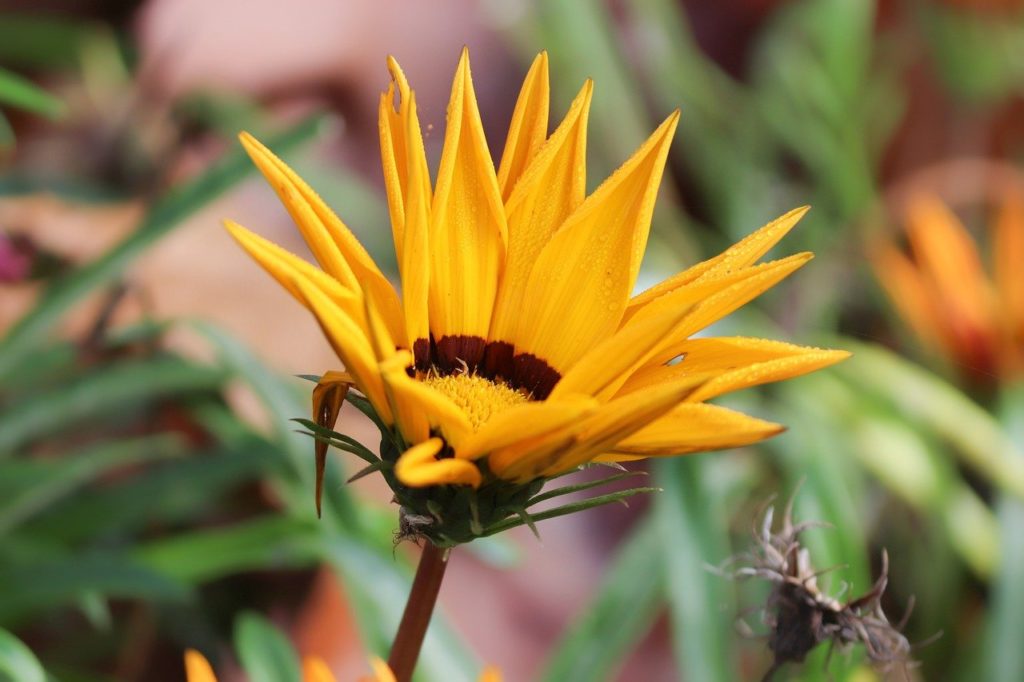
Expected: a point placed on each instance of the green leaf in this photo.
(106, 391)
(265, 653)
(693, 529)
(6, 133)
(20, 93)
(41, 40)
(1004, 657)
(17, 662)
(274, 541)
(622, 611)
(31, 588)
(977, 438)
(56, 479)
(169, 212)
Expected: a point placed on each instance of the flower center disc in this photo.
(478, 397)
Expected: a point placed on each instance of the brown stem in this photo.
(418, 610)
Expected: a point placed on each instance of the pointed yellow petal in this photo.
(415, 254)
(581, 281)
(551, 189)
(697, 427)
(766, 372)
(350, 343)
(328, 397)
(617, 420)
(524, 422)
(617, 355)
(287, 268)
(1008, 252)
(197, 668)
(418, 467)
(332, 243)
(402, 153)
(711, 356)
(381, 671)
(741, 254)
(315, 670)
(529, 126)
(717, 306)
(467, 223)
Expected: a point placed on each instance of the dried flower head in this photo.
(800, 616)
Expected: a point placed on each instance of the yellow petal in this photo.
(288, 268)
(697, 427)
(350, 342)
(711, 356)
(418, 467)
(717, 306)
(328, 397)
(597, 250)
(332, 243)
(381, 671)
(617, 355)
(617, 420)
(197, 668)
(741, 254)
(409, 416)
(529, 126)
(422, 407)
(402, 154)
(551, 189)
(315, 670)
(766, 372)
(524, 422)
(415, 254)
(467, 223)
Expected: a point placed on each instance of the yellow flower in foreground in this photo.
(516, 352)
(945, 295)
(198, 669)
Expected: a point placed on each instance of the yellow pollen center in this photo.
(478, 397)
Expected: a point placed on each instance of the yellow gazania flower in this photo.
(516, 352)
(198, 669)
(945, 295)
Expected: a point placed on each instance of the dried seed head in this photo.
(800, 616)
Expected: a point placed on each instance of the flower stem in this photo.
(418, 610)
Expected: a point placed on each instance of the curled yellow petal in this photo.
(328, 397)
(523, 423)
(418, 467)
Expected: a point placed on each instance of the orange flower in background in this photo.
(517, 352)
(198, 669)
(945, 294)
